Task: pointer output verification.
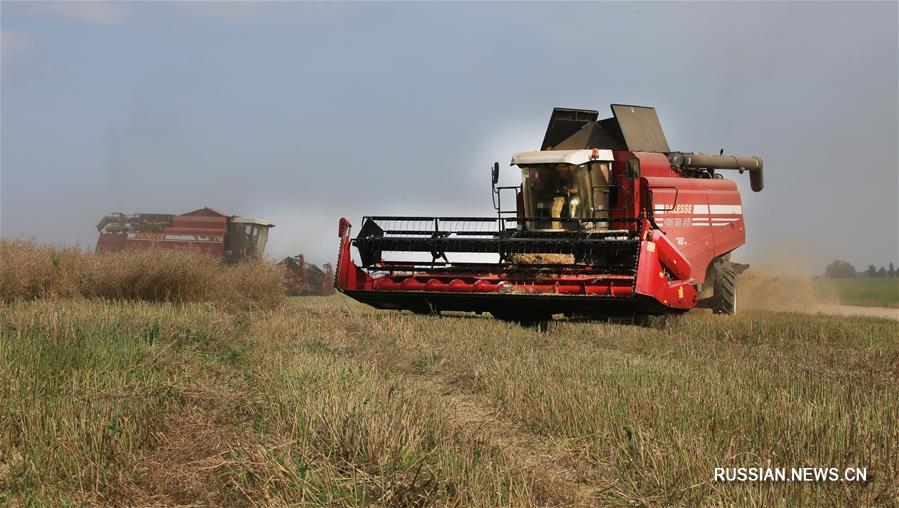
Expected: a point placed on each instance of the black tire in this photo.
(724, 299)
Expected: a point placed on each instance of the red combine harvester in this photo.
(206, 230)
(607, 221)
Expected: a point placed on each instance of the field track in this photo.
(851, 310)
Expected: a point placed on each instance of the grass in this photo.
(322, 401)
(33, 271)
(861, 291)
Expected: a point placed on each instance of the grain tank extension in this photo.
(607, 220)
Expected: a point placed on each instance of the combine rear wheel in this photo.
(724, 299)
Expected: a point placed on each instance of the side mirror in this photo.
(495, 173)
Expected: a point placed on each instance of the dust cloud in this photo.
(760, 289)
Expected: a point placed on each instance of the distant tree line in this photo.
(844, 269)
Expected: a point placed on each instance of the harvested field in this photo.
(323, 401)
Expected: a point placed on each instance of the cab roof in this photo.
(251, 220)
(575, 157)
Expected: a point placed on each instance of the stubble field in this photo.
(322, 401)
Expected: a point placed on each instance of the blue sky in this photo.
(301, 112)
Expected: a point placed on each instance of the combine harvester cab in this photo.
(607, 222)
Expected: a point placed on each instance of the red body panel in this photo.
(197, 232)
(120, 241)
(111, 242)
(703, 218)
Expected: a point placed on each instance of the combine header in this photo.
(607, 221)
(306, 279)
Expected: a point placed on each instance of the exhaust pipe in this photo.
(751, 163)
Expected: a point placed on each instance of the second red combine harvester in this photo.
(206, 230)
(229, 237)
(608, 221)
